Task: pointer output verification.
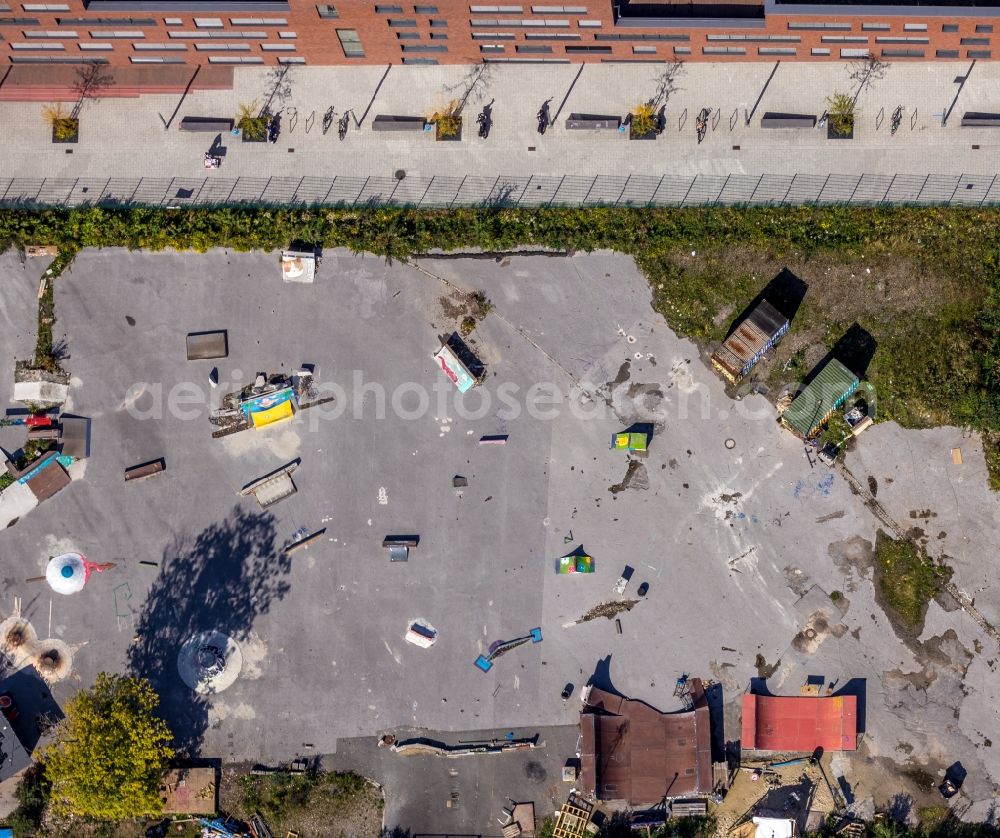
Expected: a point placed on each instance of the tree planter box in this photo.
(833, 134)
(454, 138)
(73, 138)
(649, 135)
(246, 139)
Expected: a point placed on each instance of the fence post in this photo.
(988, 190)
(694, 180)
(649, 203)
(885, 197)
(722, 190)
(855, 189)
(562, 180)
(955, 190)
(459, 191)
(362, 192)
(426, 190)
(622, 193)
(201, 189)
(328, 191)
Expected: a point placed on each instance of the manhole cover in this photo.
(730, 443)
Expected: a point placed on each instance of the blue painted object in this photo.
(536, 635)
(483, 664)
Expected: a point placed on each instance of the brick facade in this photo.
(149, 33)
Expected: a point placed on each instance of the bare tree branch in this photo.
(865, 73)
(666, 83)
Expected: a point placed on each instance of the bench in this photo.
(383, 122)
(145, 469)
(974, 119)
(206, 124)
(788, 120)
(589, 121)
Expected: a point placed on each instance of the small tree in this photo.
(866, 73)
(109, 751)
(841, 113)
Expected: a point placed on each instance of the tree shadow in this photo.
(37, 710)
(222, 580)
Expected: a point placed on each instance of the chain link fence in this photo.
(476, 191)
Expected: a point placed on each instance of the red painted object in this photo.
(38, 421)
(800, 723)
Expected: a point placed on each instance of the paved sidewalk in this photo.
(125, 139)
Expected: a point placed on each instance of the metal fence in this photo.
(533, 191)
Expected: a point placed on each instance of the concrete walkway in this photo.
(123, 140)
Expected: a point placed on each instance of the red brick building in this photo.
(162, 40)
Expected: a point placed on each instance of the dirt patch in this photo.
(854, 557)
(872, 485)
(764, 669)
(609, 610)
(636, 477)
(830, 517)
(311, 804)
(466, 308)
(622, 377)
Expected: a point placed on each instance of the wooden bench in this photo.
(145, 470)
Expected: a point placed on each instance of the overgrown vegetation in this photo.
(32, 795)
(298, 801)
(46, 357)
(938, 358)
(836, 431)
(448, 120)
(644, 120)
(31, 451)
(841, 113)
(109, 752)
(252, 122)
(907, 579)
(64, 125)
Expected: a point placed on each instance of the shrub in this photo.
(251, 122)
(841, 113)
(644, 120)
(64, 126)
(448, 121)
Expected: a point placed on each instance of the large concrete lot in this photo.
(741, 547)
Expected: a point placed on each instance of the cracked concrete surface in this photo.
(741, 546)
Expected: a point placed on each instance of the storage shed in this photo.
(799, 723)
(631, 751)
(823, 395)
(761, 329)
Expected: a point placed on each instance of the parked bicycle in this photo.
(328, 119)
(897, 119)
(342, 126)
(543, 117)
(485, 120)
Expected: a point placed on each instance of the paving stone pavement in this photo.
(124, 140)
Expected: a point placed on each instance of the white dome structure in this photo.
(67, 574)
